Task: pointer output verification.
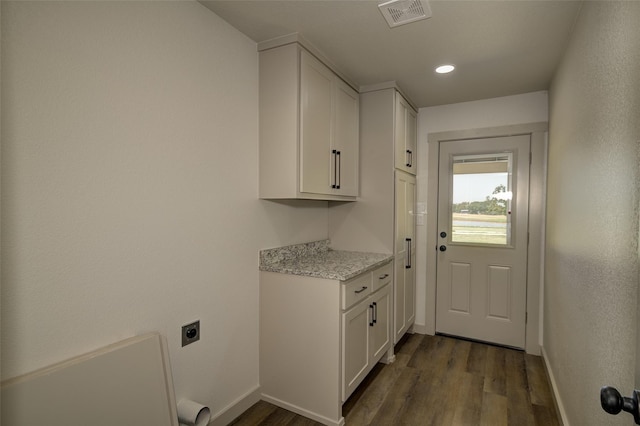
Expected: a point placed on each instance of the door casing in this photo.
(537, 196)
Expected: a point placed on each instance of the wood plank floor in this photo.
(440, 381)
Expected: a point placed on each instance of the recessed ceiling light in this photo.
(444, 69)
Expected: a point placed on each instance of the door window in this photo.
(481, 198)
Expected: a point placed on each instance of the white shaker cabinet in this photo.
(405, 254)
(319, 338)
(384, 216)
(309, 128)
(366, 327)
(405, 136)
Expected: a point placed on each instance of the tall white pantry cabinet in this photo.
(383, 218)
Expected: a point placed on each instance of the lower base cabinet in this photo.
(320, 338)
(366, 335)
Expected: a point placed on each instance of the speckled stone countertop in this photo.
(318, 260)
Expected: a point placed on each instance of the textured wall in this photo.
(129, 188)
(592, 211)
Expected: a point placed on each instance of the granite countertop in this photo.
(318, 260)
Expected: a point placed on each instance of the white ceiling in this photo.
(500, 48)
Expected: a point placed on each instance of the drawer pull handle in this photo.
(371, 321)
(361, 290)
(382, 277)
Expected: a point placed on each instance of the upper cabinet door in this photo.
(316, 158)
(412, 139)
(346, 138)
(405, 136)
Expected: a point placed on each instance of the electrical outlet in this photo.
(190, 333)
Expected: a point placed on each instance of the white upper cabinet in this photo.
(309, 128)
(405, 136)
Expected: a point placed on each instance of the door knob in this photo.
(612, 402)
(443, 248)
(443, 234)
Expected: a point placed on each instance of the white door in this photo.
(482, 239)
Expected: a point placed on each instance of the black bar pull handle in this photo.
(335, 167)
(371, 321)
(408, 155)
(612, 402)
(375, 312)
(408, 264)
(339, 180)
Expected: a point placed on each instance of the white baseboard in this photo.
(237, 407)
(554, 389)
(420, 329)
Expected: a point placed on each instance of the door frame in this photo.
(537, 205)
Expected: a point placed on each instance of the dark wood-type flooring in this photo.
(440, 381)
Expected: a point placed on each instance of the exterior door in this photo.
(482, 239)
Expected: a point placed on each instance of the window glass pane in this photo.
(481, 199)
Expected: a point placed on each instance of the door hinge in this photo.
(528, 237)
(530, 157)
(526, 317)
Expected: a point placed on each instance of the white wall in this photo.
(129, 189)
(592, 263)
(504, 111)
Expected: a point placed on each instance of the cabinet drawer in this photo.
(381, 276)
(356, 289)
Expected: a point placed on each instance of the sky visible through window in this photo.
(476, 187)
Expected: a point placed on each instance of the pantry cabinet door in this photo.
(405, 253)
(405, 136)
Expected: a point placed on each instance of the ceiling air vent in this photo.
(400, 12)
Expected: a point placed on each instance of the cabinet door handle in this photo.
(339, 180)
(408, 157)
(371, 321)
(361, 290)
(334, 153)
(408, 264)
(375, 312)
(382, 277)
